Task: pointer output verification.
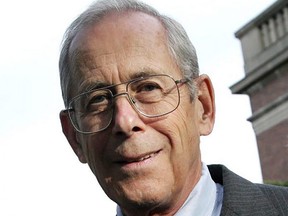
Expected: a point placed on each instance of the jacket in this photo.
(242, 197)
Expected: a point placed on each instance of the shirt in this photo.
(204, 200)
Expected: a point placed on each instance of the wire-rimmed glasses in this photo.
(151, 96)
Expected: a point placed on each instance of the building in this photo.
(264, 42)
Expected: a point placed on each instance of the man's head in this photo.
(145, 161)
(178, 43)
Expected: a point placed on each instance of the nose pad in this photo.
(132, 100)
(124, 106)
(129, 99)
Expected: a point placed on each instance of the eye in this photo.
(98, 99)
(147, 87)
(97, 102)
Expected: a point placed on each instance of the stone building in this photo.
(264, 42)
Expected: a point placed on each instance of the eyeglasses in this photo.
(151, 96)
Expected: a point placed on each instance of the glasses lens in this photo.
(92, 111)
(151, 96)
(155, 95)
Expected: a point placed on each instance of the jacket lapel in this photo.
(241, 197)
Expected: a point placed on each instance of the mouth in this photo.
(138, 159)
(142, 158)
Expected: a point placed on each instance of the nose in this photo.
(126, 119)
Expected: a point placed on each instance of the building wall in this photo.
(264, 42)
(273, 151)
(273, 85)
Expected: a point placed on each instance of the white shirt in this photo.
(204, 200)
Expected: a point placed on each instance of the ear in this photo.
(206, 110)
(70, 134)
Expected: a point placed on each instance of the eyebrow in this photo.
(145, 72)
(94, 85)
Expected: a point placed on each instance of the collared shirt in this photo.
(204, 200)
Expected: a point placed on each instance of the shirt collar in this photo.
(204, 199)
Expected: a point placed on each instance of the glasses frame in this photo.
(70, 109)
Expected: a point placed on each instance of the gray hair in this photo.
(179, 45)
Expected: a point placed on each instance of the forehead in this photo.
(125, 27)
(119, 46)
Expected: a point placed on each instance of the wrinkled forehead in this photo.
(117, 30)
(117, 36)
(95, 60)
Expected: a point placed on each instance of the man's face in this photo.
(142, 163)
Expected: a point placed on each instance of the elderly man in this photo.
(136, 107)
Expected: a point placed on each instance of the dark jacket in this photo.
(243, 198)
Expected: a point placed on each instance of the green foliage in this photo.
(278, 183)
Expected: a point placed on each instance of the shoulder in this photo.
(275, 193)
(244, 197)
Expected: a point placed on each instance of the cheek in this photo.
(182, 131)
(94, 148)
(183, 147)
(183, 126)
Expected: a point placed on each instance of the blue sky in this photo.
(39, 173)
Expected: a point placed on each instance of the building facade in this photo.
(264, 42)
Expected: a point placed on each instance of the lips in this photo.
(139, 158)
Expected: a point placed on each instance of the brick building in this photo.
(264, 42)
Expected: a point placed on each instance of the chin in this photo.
(143, 194)
(144, 204)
